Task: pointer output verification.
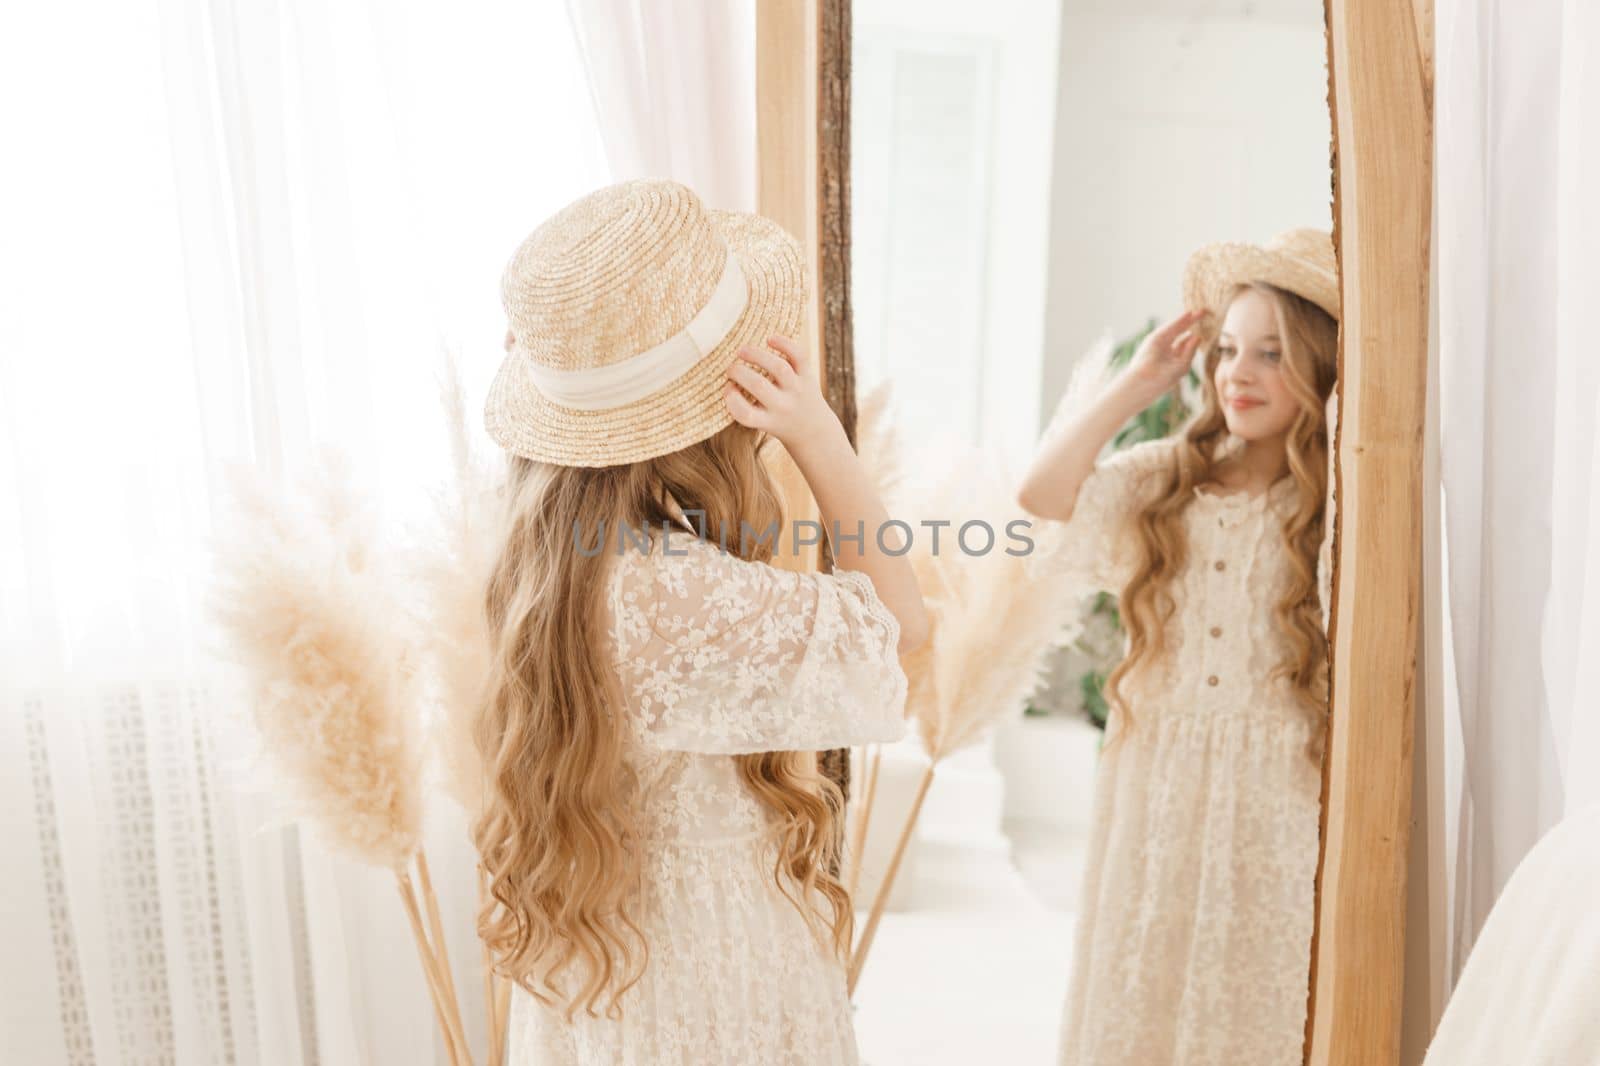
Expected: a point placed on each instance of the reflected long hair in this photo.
(557, 834)
(1310, 364)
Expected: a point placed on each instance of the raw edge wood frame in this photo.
(803, 183)
(1380, 73)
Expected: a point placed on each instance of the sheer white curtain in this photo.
(229, 231)
(674, 86)
(1572, 621)
(1518, 143)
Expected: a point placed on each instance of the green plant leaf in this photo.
(1092, 687)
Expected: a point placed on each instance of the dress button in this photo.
(1221, 565)
(1216, 631)
(1212, 680)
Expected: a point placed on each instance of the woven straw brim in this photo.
(1213, 272)
(524, 422)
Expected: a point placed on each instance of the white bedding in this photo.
(1530, 993)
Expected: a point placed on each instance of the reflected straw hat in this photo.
(626, 309)
(1301, 261)
(1298, 260)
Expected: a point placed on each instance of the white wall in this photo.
(953, 112)
(1178, 123)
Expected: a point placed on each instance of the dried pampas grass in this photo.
(1089, 377)
(304, 600)
(313, 616)
(877, 441)
(993, 620)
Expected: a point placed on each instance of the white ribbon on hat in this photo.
(617, 384)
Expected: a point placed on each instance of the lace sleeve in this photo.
(721, 655)
(1098, 545)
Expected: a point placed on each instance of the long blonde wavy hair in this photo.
(1310, 363)
(557, 832)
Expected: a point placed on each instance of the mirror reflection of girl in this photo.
(659, 842)
(1194, 933)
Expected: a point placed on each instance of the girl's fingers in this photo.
(795, 354)
(1171, 329)
(773, 363)
(743, 374)
(743, 411)
(1187, 339)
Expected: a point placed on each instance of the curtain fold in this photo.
(1516, 116)
(674, 87)
(1572, 620)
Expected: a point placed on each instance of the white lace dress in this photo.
(1193, 939)
(720, 656)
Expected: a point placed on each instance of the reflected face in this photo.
(1255, 398)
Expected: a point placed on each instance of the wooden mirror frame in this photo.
(1380, 74)
(803, 182)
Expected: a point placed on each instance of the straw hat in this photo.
(1299, 260)
(627, 308)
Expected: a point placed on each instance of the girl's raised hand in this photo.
(1166, 355)
(783, 397)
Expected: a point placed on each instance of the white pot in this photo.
(900, 772)
(1048, 762)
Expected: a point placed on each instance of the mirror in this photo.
(1028, 183)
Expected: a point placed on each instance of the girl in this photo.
(1193, 939)
(659, 843)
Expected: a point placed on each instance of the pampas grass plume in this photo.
(308, 612)
(1090, 375)
(993, 617)
(877, 442)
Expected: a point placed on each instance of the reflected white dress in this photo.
(1193, 940)
(720, 656)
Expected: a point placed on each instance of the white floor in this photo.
(974, 971)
